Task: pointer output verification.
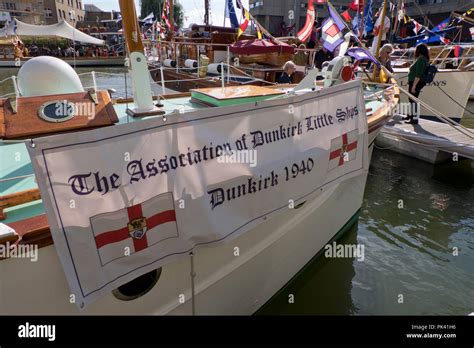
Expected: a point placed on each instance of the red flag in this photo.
(346, 16)
(305, 32)
(357, 5)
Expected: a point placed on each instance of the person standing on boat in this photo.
(288, 70)
(415, 79)
(386, 64)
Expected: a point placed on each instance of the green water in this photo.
(408, 250)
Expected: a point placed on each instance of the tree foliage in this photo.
(156, 6)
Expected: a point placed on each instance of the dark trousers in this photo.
(413, 103)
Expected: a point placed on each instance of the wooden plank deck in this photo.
(435, 135)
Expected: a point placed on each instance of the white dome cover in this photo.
(47, 76)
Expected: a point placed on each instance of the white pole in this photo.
(162, 79)
(15, 86)
(222, 76)
(94, 82)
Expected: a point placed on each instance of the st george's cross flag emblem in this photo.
(133, 229)
(343, 149)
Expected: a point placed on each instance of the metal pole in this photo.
(162, 79)
(222, 76)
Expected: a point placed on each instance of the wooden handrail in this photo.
(17, 198)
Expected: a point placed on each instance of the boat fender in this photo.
(216, 68)
(169, 63)
(191, 63)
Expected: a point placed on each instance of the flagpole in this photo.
(172, 16)
(379, 39)
(361, 29)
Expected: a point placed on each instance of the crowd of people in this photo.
(23, 51)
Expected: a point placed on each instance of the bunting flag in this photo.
(305, 32)
(230, 13)
(346, 16)
(165, 14)
(357, 5)
(444, 40)
(149, 19)
(443, 25)
(418, 27)
(246, 15)
(368, 20)
(458, 51)
(332, 30)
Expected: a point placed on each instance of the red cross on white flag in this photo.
(343, 149)
(133, 229)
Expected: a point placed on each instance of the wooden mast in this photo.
(206, 13)
(172, 16)
(379, 38)
(138, 66)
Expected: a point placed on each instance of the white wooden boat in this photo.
(234, 277)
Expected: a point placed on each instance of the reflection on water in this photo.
(414, 217)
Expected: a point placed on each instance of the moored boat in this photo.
(243, 232)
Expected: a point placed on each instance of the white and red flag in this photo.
(305, 32)
(343, 149)
(357, 5)
(127, 231)
(418, 27)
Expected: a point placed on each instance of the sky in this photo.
(193, 9)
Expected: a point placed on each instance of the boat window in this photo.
(137, 287)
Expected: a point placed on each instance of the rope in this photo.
(465, 109)
(8, 78)
(193, 275)
(17, 177)
(460, 128)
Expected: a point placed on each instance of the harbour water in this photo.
(417, 228)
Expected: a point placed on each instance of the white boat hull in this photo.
(448, 83)
(269, 256)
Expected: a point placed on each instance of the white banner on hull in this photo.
(124, 200)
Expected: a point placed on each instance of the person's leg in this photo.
(409, 117)
(417, 112)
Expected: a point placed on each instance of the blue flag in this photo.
(359, 53)
(230, 13)
(368, 20)
(443, 25)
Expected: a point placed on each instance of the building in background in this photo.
(71, 11)
(272, 13)
(42, 11)
(96, 20)
(28, 11)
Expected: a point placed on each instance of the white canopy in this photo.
(62, 29)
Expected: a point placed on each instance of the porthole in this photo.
(300, 205)
(138, 286)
